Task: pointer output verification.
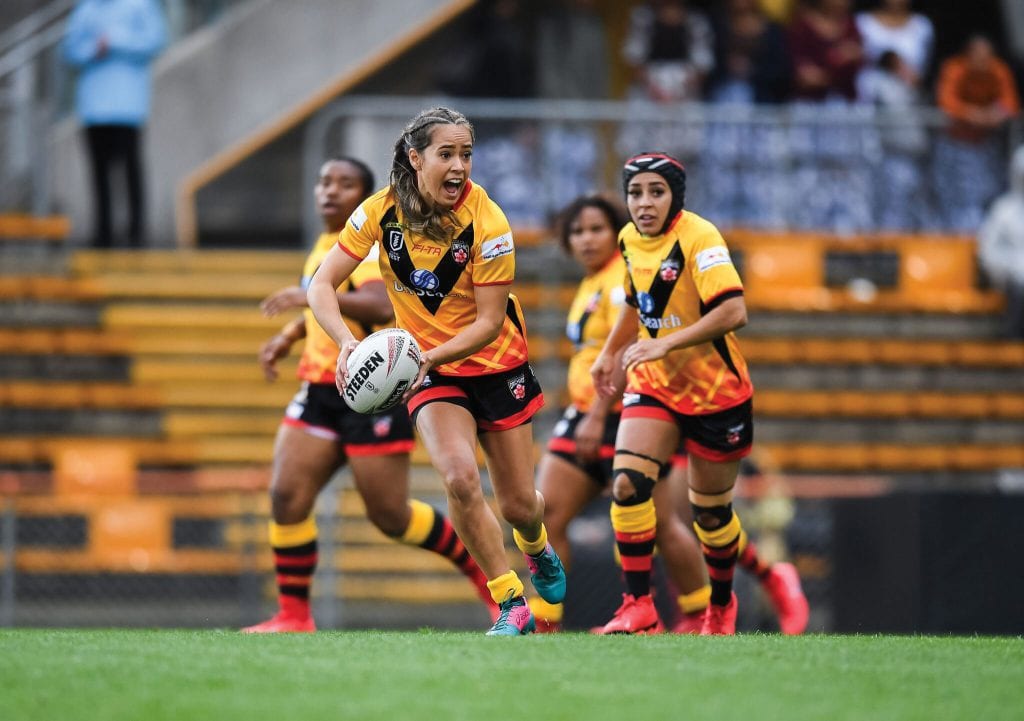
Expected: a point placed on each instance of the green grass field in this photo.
(79, 675)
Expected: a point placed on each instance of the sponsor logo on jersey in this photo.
(424, 279)
(426, 249)
(396, 241)
(669, 270)
(517, 386)
(672, 321)
(497, 247)
(573, 332)
(460, 252)
(710, 257)
(645, 302)
(618, 295)
(357, 218)
(399, 288)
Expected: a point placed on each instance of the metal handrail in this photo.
(28, 37)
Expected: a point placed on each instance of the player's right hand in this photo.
(281, 300)
(341, 372)
(271, 352)
(603, 373)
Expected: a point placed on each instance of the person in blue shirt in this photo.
(112, 44)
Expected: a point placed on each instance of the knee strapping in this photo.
(642, 472)
(642, 486)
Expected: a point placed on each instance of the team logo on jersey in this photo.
(669, 270)
(424, 279)
(517, 386)
(396, 240)
(460, 252)
(382, 426)
(734, 435)
(645, 302)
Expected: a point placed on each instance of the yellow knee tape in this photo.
(293, 534)
(742, 543)
(720, 536)
(505, 586)
(421, 521)
(634, 519)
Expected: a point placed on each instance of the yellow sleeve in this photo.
(711, 265)
(494, 253)
(360, 231)
(368, 271)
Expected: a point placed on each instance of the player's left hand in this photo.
(426, 363)
(648, 349)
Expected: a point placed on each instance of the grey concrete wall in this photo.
(223, 83)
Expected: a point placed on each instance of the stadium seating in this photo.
(155, 353)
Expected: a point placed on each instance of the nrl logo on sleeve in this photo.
(710, 257)
(357, 218)
(497, 247)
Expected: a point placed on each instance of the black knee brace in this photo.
(643, 484)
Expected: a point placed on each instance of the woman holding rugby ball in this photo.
(448, 259)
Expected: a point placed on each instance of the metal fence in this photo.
(834, 167)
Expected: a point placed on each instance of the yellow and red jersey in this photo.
(592, 316)
(320, 355)
(673, 280)
(431, 284)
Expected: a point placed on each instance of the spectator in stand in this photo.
(900, 198)
(892, 26)
(976, 90)
(669, 51)
(573, 55)
(751, 62)
(496, 60)
(1001, 246)
(573, 62)
(826, 50)
(112, 44)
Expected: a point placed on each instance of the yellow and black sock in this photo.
(549, 612)
(718, 529)
(695, 601)
(634, 520)
(295, 557)
(749, 559)
(635, 527)
(430, 529)
(505, 587)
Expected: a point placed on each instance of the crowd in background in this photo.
(825, 62)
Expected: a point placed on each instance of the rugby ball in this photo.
(380, 369)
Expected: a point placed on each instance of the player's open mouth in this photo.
(452, 188)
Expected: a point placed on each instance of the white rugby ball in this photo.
(380, 369)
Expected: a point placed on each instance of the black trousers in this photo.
(110, 147)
